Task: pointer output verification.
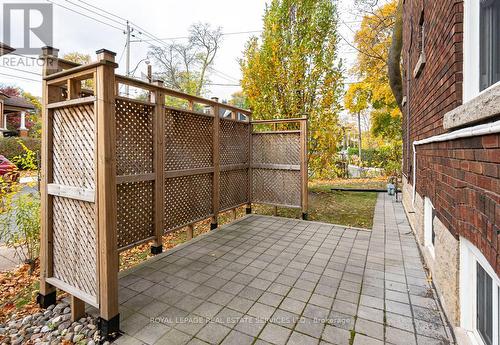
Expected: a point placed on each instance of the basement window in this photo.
(479, 296)
(429, 233)
(484, 303)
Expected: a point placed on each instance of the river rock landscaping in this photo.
(50, 326)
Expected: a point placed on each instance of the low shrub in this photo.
(20, 226)
(12, 147)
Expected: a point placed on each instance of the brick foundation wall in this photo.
(461, 177)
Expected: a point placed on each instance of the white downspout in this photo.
(475, 131)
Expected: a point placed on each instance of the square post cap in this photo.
(104, 54)
(50, 51)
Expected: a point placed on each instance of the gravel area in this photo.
(51, 326)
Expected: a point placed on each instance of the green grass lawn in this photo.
(345, 208)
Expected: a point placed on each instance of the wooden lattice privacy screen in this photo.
(119, 171)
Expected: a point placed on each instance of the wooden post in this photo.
(234, 213)
(216, 163)
(159, 157)
(190, 229)
(77, 308)
(248, 209)
(109, 319)
(47, 294)
(275, 211)
(74, 88)
(303, 168)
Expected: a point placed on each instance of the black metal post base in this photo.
(44, 301)
(304, 215)
(109, 329)
(248, 210)
(213, 226)
(155, 250)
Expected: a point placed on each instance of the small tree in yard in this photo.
(20, 214)
(293, 71)
(374, 42)
(21, 227)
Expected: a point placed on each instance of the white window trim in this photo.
(471, 68)
(428, 226)
(469, 257)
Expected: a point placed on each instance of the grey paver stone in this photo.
(275, 334)
(360, 339)
(152, 332)
(301, 339)
(292, 305)
(370, 328)
(336, 335)
(396, 336)
(237, 338)
(213, 333)
(250, 325)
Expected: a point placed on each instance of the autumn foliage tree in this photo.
(373, 41)
(373, 91)
(291, 71)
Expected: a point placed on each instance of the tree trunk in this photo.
(394, 60)
(359, 137)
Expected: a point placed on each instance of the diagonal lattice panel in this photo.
(280, 187)
(274, 180)
(280, 148)
(135, 212)
(234, 143)
(188, 140)
(134, 138)
(73, 146)
(233, 188)
(75, 244)
(187, 198)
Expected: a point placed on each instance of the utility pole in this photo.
(359, 137)
(127, 58)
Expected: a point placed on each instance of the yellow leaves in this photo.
(373, 93)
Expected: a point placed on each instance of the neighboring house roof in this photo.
(5, 49)
(18, 102)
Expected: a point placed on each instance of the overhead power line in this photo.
(18, 77)
(20, 70)
(186, 37)
(85, 15)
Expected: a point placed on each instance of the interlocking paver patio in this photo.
(271, 280)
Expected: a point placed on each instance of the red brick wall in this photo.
(438, 89)
(462, 178)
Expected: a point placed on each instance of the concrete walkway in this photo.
(274, 280)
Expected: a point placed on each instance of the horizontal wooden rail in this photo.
(275, 166)
(135, 178)
(278, 132)
(274, 204)
(188, 172)
(73, 291)
(298, 119)
(76, 70)
(137, 101)
(131, 245)
(71, 192)
(169, 92)
(72, 102)
(232, 167)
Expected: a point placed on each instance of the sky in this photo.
(76, 32)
